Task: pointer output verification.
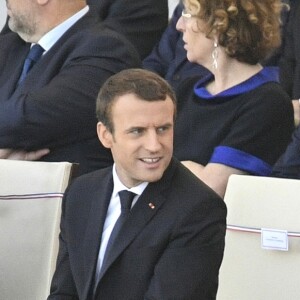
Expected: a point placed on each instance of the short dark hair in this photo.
(146, 85)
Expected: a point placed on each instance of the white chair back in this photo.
(248, 271)
(30, 208)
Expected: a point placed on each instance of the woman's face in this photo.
(197, 45)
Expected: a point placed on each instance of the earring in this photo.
(214, 55)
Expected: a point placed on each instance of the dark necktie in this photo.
(33, 56)
(126, 199)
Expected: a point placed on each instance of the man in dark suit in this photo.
(53, 107)
(288, 166)
(142, 21)
(171, 242)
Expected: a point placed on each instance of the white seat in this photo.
(249, 272)
(30, 208)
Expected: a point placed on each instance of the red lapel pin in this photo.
(151, 205)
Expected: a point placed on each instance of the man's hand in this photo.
(23, 155)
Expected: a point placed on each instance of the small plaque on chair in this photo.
(273, 239)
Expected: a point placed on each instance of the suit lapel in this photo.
(97, 215)
(144, 210)
(46, 68)
(19, 49)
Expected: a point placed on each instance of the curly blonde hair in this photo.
(248, 29)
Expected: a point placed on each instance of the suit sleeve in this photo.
(63, 286)
(142, 22)
(189, 267)
(288, 166)
(289, 62)
(59, 109)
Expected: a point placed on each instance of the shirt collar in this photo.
(51, 37)
(267, 74)
(119, 186)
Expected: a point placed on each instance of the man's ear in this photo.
(104, 135)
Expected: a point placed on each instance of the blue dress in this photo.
(246, 127)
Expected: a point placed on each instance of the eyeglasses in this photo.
(186, 15)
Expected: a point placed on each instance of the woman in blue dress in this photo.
(237, 120)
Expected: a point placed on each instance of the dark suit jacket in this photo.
(55, 105)
(288, 166)
(290, 60)
(171, 252)
(141, 21)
